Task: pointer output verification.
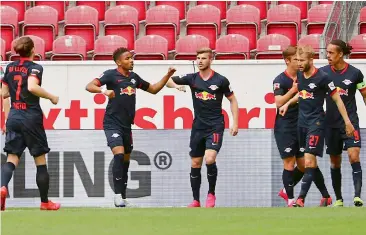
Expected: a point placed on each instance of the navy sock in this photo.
(319, 182)
(337, 182)
(7, 173)
(117, 173)
(196, 183)
(297, 175)
(288, 182)
(306, 181)
(126, 165)
(43, 182)
(357, 178)
(212, 177)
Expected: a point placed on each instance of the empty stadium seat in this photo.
(8, 25)
(69, 47)
(100, 6)
(186, 47)
(82, 21)
(106, 45)
(42, 21)
(261, 5)
(312, 40)
(122, 21)
(362, 23)
(284, 19)
(39, 49)
(151, 47)
(359, 47)
(164, 21)
(232, 47)
(302, 5)
(244, 20)
(317, 18)
(140, 6)
(221, 5)
(57, 5)
(2, 50)
(180, 5)
(20, 6)
(204, 20)
(271, 46)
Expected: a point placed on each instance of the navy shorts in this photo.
(311, 140)
(201, 140)
(336, 140)
(21, 134)
(120, 137)
(287, 143)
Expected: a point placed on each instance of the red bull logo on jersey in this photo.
(204, 95)
(306, 95)
(128, 91)
(342, 91)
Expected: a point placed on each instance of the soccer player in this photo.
(24, 127)
(348, 80)
(285, 130)
(4, 104)
(208, 88)
(121, 85)
(313, 86)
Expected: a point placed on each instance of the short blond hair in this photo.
(308, 50)
(205, 50)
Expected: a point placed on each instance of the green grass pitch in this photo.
(184, 221)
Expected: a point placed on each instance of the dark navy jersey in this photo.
(207, 98)
(24, 105)
(312, 93)
(347, 81)
(121, 109)
(281, 85)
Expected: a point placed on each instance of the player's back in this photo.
(24, 104)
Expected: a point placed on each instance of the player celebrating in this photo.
(285, 130)
(313, 85)
(121, 85)
(208, 88)
(24, 127)
(347, 79)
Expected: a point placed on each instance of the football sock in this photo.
(288, 182)
(117, 173)
(196, 182)
(306, 181)
(43, 182)
(126, 165)
(337, 182)
(357, 178)
(319, 182)
(7, 173)
(212, 177)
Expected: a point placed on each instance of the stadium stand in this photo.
(232, 47)
(69, 48)
(151, 47)
(9, 25)
(39, 49)
(187, 46)
(105, 45)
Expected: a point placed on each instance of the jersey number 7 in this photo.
(19, 88)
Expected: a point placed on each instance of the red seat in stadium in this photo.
(284, 19)
(302, 5)
(312, 40)
(359, 47)
(100, 6)
(261, 5)
(2, 50)
(244, 20)
(57, 5)
(271, 46)
(164, 21)
(317, 18)
(39, 49)
(69, 47)
(151, 47)
(232, 47)
(8, 25)
(140, 6)
(221, 5)
(82, 21)
(42, 21)
(20, 6)
(122, 21)
(105, 46)
(187, 46)
(362, 23)
(180, 5)
(204, 20)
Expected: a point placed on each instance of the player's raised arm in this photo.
(155, 88)
(34, 78)
(178, 83)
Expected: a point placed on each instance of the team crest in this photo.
(347, 82)
(276, 86)
(312, 85)
(331, 86)
(133, 81)
(213, 87)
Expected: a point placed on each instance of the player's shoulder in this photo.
(279, 77)
(220, 77)
(353, 69)
(34, 67)
(133, 75)
(321, 73)
(327, 68)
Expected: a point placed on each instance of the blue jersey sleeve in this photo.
(185, 79)
(36, 71)
(141, 83)
(278, 87)
(226, 88)
(103, 79)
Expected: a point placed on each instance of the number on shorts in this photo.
(356, 135)
(19, 88)
(313, 140)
